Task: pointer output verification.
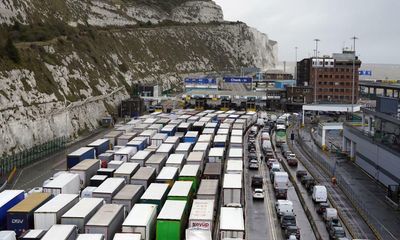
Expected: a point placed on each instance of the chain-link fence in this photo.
(23, 158)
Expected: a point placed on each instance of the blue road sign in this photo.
(365, 72)
(204, 81)
(238, 79)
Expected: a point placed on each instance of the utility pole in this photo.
(354, 77)
(315, 72)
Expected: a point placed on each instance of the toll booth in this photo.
(251, 104)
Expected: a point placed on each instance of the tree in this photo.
(12, 51)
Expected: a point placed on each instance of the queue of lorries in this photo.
(160, 176)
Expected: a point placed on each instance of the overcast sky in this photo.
(297, 22)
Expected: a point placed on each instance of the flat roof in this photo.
(172, 210)
(189, 171)
(105, 215)
(140, 214)
(181, 188)
(83, 207)
(231, 218)
(216, 152)
(167, 173)
(155, 191)
(331, 107)
(233, 180)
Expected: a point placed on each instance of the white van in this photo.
(283, 207)
(329, 214)
(320, 194)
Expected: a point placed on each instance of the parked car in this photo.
(258, 193)
(292, 231)
(321, 207)
(301, 173)
(253, 164)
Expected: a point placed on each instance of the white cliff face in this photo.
(86, 77)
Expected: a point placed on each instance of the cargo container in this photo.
(165, 149)
(235, 154)
(182, 190)
(134, 122)
(236, 142)
(184, 148)
(141, 219)
(109, 172)
(212, 171)
(50, 213)
(190, 173)
(33, 234)
(225, 126)
(220, 141)
(194, 234)
(172, 221)
(196, 158)
(156, 161)
(128, 196)
(216, 154)
(212, 125)
(115, 164)
(198, 126)
(151, 149)
(148, 134)
(238, 126)
(150, 120)
(106, 157)
(163, 121)
(108, 189)
(97, 180)
(176, 160)
(141, 157)
(223, 131)
(209, 131)
(174, 140)
(125, 138)
(184, 127)
(208, 189)
(156, 194)
(8, 199)
(61, 232)
(202, 215)
(201, 147)
(144, 176)
(191, 137)
(139, 145)
(124, 128)
(169, 130)
(89, 236)
(205, 138)
(20, 217)
(68, 183)
(234, 166)
(281, 184)
(232, 189)
(231, 223)
(141, 127)
(126, 171)
(113, 136)
(86, 169)
(87, 192)
(80, 214)
(205, 119)
(167, 175)
(80, 155)
(127, 236)
(158, 139)
(107, 220)
(125, 154)
(141, 139)
(100, 146)
(193, 119)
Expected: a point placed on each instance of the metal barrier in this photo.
(28, 156)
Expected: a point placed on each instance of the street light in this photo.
(315, 76)
(354, 76)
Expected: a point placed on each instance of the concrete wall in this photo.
(377, 160)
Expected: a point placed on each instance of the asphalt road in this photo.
(34, 175)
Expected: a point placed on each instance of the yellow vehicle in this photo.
(158, 108)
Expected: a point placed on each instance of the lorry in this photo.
(202, 215)
(235, 154)
(167, 175)
(108, 189)
(171, 221)
(61, 232)
(231, 223)
(281, 184)
(208, 189)
(8, 199)
(80, 155)
(126, 171)
(107, 220)
(63, 183)
(125, 138)
(190, 173)
(158, 139)
(80, 214)
(191, 137)
(33, 234)
(176, 160)
(144, 176)
(170, 130)
(201, 147)
(216, 154)
(156, 194)
(330, 214)
(184, 148)
(232, 189)
(114, 164)
(236, 142)
(86, 169)
(319, 194)
(97, 180)
(141, 219)
(156, 161)
(181, 190)
(165, 149)
(212, 171)
(90, 236)
(128, 196)
(100, 145)
(194, 234)
(112, 137)
(127, 236)
(50, 213)
(196, 158)
(220, 141)
(234, 166)
(125, 153)
(141, 157)
(20, 217)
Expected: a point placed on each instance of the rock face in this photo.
(66, 85)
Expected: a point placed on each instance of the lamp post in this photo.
(354, 76)
(315, 67)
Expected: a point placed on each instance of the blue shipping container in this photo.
(219, 144)
(190, 139)
(139, 145)
(79, 155)
(100, 145)
(8, 199)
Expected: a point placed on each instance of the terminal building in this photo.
(375, 145)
